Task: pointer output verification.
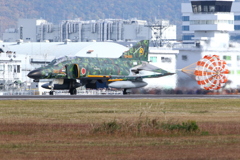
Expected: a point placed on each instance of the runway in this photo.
(133, 96)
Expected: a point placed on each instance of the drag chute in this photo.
(210, 72)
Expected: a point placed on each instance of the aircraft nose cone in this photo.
(35, 74)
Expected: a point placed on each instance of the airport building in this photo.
(39, 30)
(204, 18)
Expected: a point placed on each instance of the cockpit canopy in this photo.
(56, 61)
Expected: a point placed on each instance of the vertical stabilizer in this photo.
(138, 51)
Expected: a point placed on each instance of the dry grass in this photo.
(53, 129)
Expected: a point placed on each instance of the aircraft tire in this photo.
(124, 91)
(73, 91)
(51, 92)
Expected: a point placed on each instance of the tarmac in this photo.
(131, 96)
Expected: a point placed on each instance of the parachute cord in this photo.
(189, 69)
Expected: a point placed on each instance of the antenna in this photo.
(158, 28)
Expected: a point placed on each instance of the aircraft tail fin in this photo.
(138, 51)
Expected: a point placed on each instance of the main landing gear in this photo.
(61, 84)
(73, 91)
(51, 86)
(51, 93)
(126, 91)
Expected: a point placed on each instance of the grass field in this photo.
(120, 129)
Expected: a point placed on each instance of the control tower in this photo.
(211, 21)
(206, 27)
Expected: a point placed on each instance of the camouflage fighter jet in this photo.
(123, 72)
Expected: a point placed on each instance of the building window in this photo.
(184, 57)
(211, 8)
(18, 68)
(238, 58)
(14, 69)
(9, 68)
(230, 22)
(185, 18)
(236, 27)
(187, 37)
(199, 8)
(194, 8)
(237, 18)
(153, 59)
(185, 28)
(2, 67)
(197, 22)
(227, 58)
(205, 8)
(166, 60)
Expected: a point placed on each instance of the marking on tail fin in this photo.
(128, 56)
(141, 51)
(138, 51)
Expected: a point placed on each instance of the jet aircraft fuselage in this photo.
(81, 67)
(122, 72)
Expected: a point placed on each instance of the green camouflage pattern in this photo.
(99, 68)
(138, 51)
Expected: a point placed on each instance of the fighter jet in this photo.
(123, 72)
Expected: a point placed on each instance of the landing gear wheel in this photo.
(124, 91)
(51, 92)
(73, 91)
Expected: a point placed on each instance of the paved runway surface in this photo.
(133, 96)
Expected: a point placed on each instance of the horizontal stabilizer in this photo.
(148, 67)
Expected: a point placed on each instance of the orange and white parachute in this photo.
(211, 72)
